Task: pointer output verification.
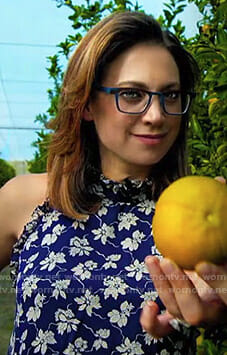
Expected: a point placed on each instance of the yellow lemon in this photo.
(190, 221)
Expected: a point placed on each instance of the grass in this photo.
(7, 306)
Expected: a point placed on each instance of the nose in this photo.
(154, 114)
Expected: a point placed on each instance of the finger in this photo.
(215, 276)
(205, 291)
(153, 323)
(194, 310)
(162, 286)
(220, 179)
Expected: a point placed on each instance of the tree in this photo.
(83, 18)
(7, 172)
(207, 141)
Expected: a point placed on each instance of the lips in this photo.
(150, 139)
(156, 135)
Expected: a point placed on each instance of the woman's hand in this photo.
(215, 276)
(185, 295)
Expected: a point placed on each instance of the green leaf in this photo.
(222, 149)
(196, 128)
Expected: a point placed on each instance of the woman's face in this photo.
(130, 144)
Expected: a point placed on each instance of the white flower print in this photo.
(133, 243)
(66, 321)
(80, 223)
(179, 345)
(42, 340)
(127, 220)
(33, 313)
(19, 314)
(29, 285)
(88, 302)
(155, 251)
(100, 342)
(32, 238)
(59, 288)
(84, 270)
(146, 206)
(80, 246)
(12, 340)
(149, 339)
(29, 264)
(103, 233)
(149, 295)
(110, 261)
(136, 270)
(78, 348)
(121, 318)
(49, 218)
(52, 260)
(130, 348)
(51, 238)
(22, 339)
(164, 352)
(103, 210)
(39, 299)
(115, 286)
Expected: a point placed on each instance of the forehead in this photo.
(148, 63)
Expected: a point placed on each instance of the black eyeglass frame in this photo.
(115, 91)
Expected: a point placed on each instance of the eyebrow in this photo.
(141, 85)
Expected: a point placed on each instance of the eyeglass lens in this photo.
(136, 101)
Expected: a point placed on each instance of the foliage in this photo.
(207, 141)
(83, 17)
(207, 138)
(7, 172)
(206, 347)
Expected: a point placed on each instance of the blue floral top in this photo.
(81, 284)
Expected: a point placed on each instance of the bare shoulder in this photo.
(18, 199)
(20, 195)
(30, 186)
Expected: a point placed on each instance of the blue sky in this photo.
(25, 26)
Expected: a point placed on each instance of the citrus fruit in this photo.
(190, 221)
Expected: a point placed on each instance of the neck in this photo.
(117, 173)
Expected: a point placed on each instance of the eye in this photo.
(172, 95)
(131, 94)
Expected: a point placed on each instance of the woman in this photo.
(119, 141)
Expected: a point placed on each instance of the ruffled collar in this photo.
(126, 190)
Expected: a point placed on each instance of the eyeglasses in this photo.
(135, 101)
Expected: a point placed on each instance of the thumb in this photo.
(153, 323)
(221, 179)
(215, 276)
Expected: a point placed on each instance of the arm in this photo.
(18, 198)
(8, 228)
(199, 298)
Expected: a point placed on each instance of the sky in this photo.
(29, 33)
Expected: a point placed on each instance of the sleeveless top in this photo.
(81, 284)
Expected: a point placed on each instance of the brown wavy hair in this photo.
(73, 160)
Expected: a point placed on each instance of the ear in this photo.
(87, 115)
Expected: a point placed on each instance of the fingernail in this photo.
(151, 260)
(205, 268)
(168, 265)
(150, 303)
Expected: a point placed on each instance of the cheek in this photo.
(111, 125)
(175, 127)
(110, 131)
